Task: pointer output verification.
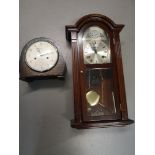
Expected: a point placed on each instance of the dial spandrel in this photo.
(96, 46)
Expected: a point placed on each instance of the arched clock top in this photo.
(90, 19)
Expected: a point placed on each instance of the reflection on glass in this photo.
(100, 98)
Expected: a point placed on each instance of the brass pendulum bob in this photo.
(92, 98)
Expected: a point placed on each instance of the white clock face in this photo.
(41, 56)
(96, 46)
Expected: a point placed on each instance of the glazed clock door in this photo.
(98, 92)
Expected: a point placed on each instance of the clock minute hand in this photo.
(93, 47)
(44, 54)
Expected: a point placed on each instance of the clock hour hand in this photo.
(93, 47)
(95, 50)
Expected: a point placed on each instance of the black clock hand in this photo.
(93, 47)
(95, 50)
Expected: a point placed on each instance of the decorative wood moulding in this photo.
(98, 80)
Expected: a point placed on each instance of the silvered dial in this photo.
(96, 46)
(41, 56)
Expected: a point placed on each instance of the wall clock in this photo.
(40, 59)
(98, 81)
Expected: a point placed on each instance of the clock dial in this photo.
(96, 46)
(41, 56)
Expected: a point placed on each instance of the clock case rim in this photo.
(35, 40)
(29, 74)
(72, 36)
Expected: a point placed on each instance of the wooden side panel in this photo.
(76, 81)
(120, 75)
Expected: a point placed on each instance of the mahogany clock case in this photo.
(74, 35)
(28, 74)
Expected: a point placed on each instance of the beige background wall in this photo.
(47, 106)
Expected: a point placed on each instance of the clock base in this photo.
(101, 124)
(32, 78)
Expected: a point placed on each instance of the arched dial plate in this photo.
(96, 46)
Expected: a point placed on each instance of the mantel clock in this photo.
(41, 59)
